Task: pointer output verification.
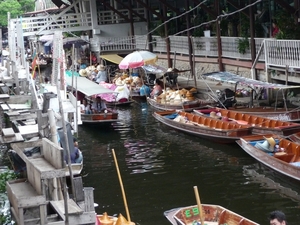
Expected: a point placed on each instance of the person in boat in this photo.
(102, 75)
(85, 107)
(99, 106)
(157, 90)
(76, 156)
(277, 218)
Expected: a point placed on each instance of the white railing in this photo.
(283, 53)
(69, 22)
(115, 44)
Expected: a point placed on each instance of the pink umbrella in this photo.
(138, 59)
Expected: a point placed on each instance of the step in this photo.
(59, 207)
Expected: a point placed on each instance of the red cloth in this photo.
(275, 31)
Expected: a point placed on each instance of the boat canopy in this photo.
(236, 79)
(86, 86)
(112, 58)
(154, 69)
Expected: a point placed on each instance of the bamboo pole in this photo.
(199, 204)
(122, 187)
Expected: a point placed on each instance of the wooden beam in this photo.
(286, 6)
(239, 6)
(206, 9)
(132, 11)
(151, 10)
(170, 6)
(116, 11)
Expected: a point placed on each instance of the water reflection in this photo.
(160, 166)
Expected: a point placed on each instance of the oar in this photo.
(122, 187)
(199, 204)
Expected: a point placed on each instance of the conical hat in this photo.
(122, 221)
(105, 220)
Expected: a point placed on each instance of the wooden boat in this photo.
(186, 105)
(276, 113)
(90, 88)
(282, 114)
(99, 118)
(119, 104)
(260, 125)
(213, 215)
(203, 126)
(285, 159)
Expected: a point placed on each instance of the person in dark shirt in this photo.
(277, 218)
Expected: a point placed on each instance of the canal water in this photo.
(160, 166)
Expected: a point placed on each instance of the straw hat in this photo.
(83, 73)
(169, 69)
(271, 142)
(101, 67)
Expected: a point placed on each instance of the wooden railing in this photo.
(110, 17)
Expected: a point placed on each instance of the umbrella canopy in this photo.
(138, 59)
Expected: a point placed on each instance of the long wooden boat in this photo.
(260, 125)
(285, 159)
(186, 105)
(99, 118)
(282, 114)
(203, 126)
(213, 215)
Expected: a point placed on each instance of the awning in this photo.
(112, 58)
(87, 86)
(234, 79)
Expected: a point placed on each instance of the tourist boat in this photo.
(275, 152)
(203, 126)
(90, 89)
(277, 113)
(213, 215)
(260, 125)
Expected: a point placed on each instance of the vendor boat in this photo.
(275, 152)
(213, 215)
(203, 126)
(260, 125)
(90, 89)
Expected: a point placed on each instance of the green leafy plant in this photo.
(243, 45)
(6, 176)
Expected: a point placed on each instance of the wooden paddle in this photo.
(199, 204)
(122, 187)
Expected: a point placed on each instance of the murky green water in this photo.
(160, 166)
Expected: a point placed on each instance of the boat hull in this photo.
(101, 118)
(205, 127)
(119, 104)
(281, 162)
(292, 115)
(260, 124)
(213, 215)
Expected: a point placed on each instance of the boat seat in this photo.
(284, 157)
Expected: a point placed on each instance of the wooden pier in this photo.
(38, 199)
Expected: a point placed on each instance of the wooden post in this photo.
(199, 204)
(89, 199)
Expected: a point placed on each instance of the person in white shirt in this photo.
(99, 106)
(102, 75)
(85, 107)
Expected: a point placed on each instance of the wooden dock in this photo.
(38, 199)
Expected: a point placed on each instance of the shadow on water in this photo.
(159, 167)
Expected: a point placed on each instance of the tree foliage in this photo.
(15, 7)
